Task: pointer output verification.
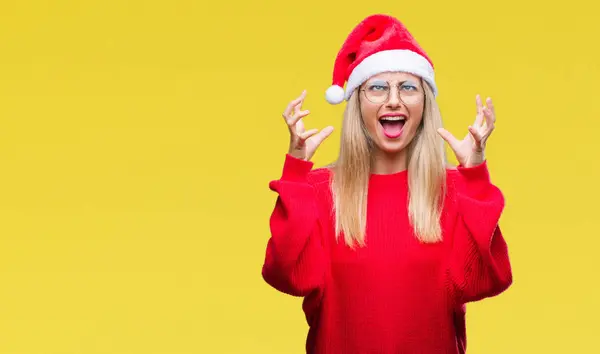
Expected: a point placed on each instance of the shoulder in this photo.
(320, 180)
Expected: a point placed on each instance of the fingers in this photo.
(299, 104)
(475, 134)
(317, 139)
(288, 110)
(449, 138)
(293, 114)
(300, 127)
(305, 135)
(296, 118)
(486, 116)
(490, 106)
(490, 116)
(479, 116)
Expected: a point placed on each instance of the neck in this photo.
(386, 163)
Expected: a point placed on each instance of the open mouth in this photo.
(392, 125)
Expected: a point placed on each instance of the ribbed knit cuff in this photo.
(476, 179)
(295, 169)
(479, 173)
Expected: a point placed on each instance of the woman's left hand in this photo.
(470, 151)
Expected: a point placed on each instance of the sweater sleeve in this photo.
(479, 264)
(295, 258)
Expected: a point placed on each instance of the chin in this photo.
(392, 146)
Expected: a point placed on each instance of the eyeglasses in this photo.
(378, 92)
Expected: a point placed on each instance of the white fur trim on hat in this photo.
(391, 60)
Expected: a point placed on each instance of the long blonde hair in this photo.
(426, 175)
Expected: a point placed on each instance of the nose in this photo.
(394, 100)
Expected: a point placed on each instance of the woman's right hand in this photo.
(303, 143)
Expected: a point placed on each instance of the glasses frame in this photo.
(398, 88)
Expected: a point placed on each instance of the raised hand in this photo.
(303, 143)
(471, 150)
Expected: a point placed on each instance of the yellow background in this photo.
(137, 140)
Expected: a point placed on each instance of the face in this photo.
(392, 109)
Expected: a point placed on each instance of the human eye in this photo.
(377, 86)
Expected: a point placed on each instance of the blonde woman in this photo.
(389, 243)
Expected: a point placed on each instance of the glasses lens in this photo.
(410, 96)
(377, 92)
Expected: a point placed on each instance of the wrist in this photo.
(476, 159)
(298, 154)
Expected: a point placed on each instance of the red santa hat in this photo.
(379, 43)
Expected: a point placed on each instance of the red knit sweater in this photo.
(395, 295)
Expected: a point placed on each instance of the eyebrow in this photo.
(380, 81)
(410, 82)
(377, 81)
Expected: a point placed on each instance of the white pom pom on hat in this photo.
(334, 94)
(379, 43)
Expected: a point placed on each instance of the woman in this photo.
(387, 244)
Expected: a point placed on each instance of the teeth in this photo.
(392, 119)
